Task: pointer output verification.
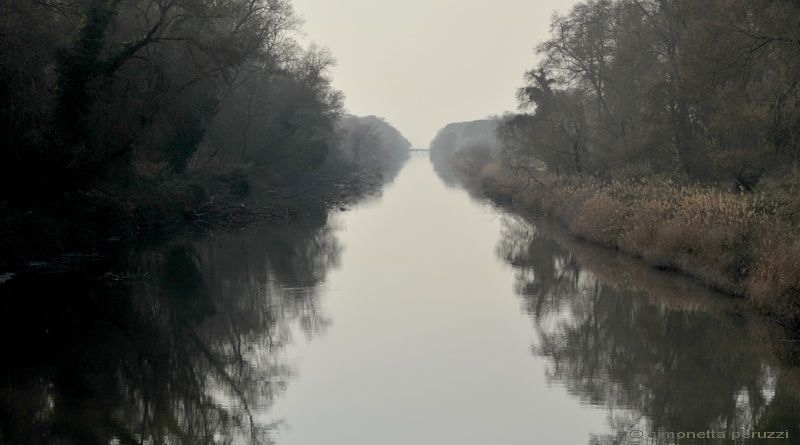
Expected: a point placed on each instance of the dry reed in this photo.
(738, 243)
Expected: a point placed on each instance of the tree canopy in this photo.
(695, 90)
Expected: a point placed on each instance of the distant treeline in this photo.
(668, 129)
(120, 113)
(370, 142)
(473, 142)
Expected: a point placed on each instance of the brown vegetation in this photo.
(737, 243)
(667, 129)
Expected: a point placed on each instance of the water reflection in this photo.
(172, 342)
(665, 358)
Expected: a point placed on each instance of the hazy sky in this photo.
(422, 64)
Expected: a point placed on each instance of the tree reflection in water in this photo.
(176, 346)
(660, 360)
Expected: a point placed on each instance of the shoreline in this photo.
(735, 244)
(36, 240)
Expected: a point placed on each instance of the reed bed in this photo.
(744, 244)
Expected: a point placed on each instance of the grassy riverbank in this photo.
(741, 244)
(668, 130)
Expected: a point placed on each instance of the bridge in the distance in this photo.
(418, 149)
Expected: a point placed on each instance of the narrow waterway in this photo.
(427, 343)
(422, 316)
(452, 322)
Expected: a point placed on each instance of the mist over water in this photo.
(453, 322)
(427, 342)
(423, 315)
(211, 233)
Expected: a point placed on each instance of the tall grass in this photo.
(742, 244)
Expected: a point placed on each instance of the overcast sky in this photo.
(422, 64)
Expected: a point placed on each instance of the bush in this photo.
(601, 218)
(775, 279)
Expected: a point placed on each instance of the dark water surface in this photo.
(422, 317)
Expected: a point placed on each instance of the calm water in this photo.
(420, 317)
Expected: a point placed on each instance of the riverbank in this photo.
(84, 223)
(745, 245)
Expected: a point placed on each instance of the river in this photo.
(422, 316)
